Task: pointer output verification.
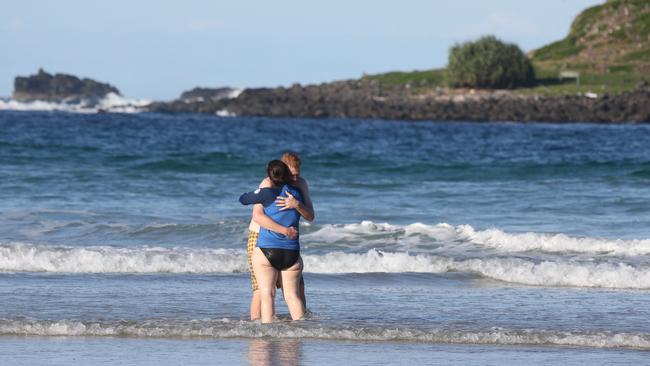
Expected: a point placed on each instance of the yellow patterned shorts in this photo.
(252, 242)
(250, 247)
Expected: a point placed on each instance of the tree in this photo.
(488, 63)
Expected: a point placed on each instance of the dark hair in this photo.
(278, 172)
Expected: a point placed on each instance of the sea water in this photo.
(122, 241)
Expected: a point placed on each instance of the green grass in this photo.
(621, 69)
(584, 21)
(621, 75)
(590, 15)
(638, 29)
(557, 50)
(417, 79)
(641, 25)
(620, 78)
(615, 4)
(640, 55)
(540, 71)
(619, 34)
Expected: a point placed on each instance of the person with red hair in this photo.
(260, 219)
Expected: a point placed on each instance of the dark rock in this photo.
(44, 86)
(206, 94)
(359, 99)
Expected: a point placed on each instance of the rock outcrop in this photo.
(45, 86)
(359, 99)
(206, 94)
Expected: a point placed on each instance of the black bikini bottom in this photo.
(281, 259)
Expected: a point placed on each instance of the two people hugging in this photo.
(273, 240)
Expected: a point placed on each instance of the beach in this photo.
(122, 241)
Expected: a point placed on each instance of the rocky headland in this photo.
(607, 48)
(361, 99)
(58, 87)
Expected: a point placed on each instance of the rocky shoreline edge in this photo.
(362, 99)
(369, 100)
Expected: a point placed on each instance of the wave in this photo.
(417, 234)
(102, 259)
(554, 243)
(225, 113)
(230, 328)
(110, 103)
(508, 269)
(232, 95)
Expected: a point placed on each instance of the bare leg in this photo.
(291, 286)
(266, 279)
(302, 291)
(256, 305)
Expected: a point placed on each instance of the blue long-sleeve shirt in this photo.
(291, 217)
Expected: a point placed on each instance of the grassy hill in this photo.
(610, 37)
(608, 44)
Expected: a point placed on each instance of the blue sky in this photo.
(157, 49)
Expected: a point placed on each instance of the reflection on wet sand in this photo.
(282, 352)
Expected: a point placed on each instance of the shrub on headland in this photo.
(488, 63)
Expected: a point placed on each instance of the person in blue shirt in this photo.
(306, 210)
(278, 253)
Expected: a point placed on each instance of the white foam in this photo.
(368, 234)
(110, 103)
(338, 232)
(95, 259)
(100, 259)
(235, 93)
(228, 328)
(418, 234)
(224, 113)
(553, 243)
(515, 270)
(115, 103)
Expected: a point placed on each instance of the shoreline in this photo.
(367, 100)
(370, 100)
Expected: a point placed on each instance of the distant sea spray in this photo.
(110, 103)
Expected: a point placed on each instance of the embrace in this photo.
(273, 240)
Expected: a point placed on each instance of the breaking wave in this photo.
(98, 259)
(419, 233)
(109, 103)
(228, 328)
(103, 259)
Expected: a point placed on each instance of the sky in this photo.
(158, 49)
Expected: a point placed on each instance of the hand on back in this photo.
(287, 203)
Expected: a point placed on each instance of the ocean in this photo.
(122, 241)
